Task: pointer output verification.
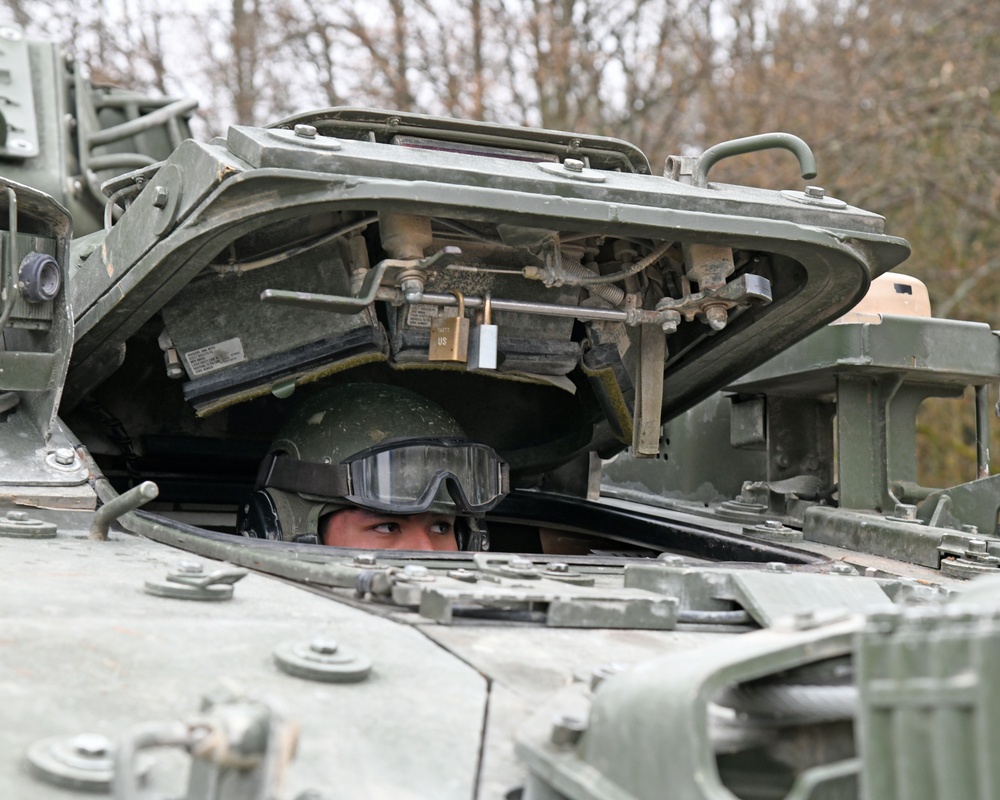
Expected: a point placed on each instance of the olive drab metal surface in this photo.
(716, 573)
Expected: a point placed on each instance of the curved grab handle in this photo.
(751, 144)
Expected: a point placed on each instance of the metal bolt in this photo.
(305, 131)
(773, 524)
(840, 568)
(976, 546)
(905, 511)
(573, 165)
(600, 673)
(190, 567)
(557, 566)
(671, 560)
(365, 559)
(160, 196)
(413, 289)
(717, 317)
(815, 191)
(416, 571)
(519, 562)
(65, 456)
(970, 529)
(776, 566)
(17, 516)
(324, 647)
(566, 731)
(91, 745)
(670, 320)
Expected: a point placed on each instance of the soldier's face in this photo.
(357, 527)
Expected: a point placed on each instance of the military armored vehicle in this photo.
(716, 574)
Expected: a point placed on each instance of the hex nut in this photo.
(65, 456)
(160, 196)
(573, 165)
(305, 131)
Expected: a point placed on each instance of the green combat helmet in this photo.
(377, 447)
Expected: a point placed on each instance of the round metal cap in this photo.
(322, 660)
(39, 277)
(179, 591)
(18, 525)
(83, 762)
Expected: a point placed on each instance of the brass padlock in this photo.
(450, 336)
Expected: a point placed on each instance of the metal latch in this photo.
(190, 582)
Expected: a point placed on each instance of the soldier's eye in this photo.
(386, 527)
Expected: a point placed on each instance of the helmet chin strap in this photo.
(474, 537)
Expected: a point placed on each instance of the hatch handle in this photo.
(752, 144)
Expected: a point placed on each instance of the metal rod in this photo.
(517, 306)
(9, 273)
(752, 144)
(142, 124)
(982, 432)
(112, 510)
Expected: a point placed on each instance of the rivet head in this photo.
(776, 566)
(305, 131)
(17, 516)
(518, 562)
(573, 165)
(365, 559)
(190, 567)
(557, 566)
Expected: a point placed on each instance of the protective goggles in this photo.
(407, 477)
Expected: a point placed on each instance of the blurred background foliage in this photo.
(898, 98)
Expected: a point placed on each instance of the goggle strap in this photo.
(304, 477)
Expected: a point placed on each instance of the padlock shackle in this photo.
(461, 301)
(487, 309)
